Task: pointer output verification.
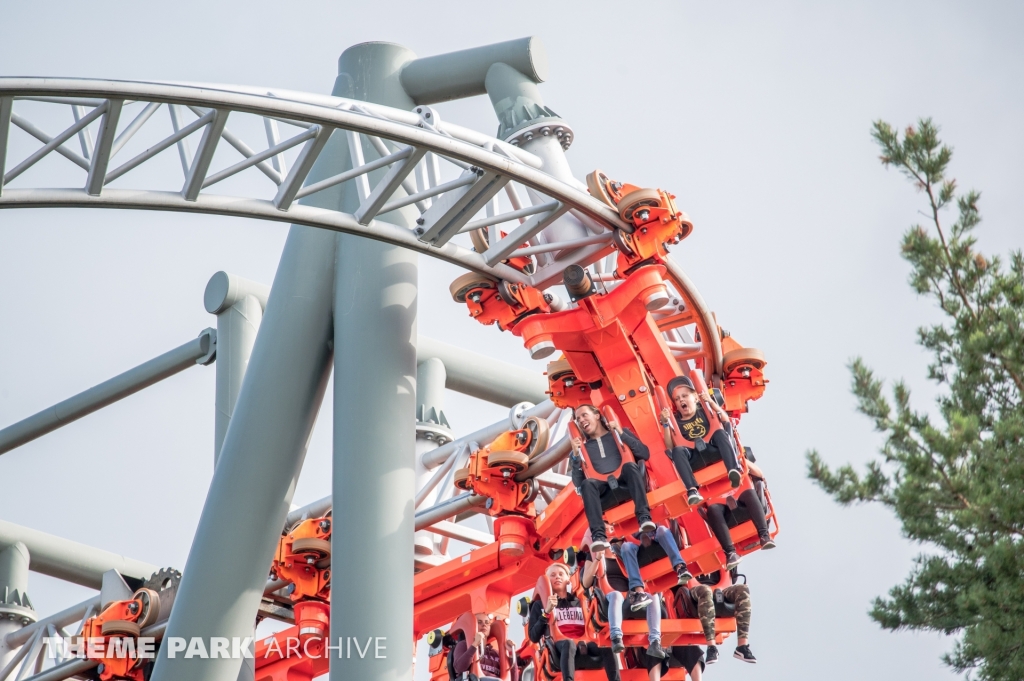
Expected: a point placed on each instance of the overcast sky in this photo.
(757, 117)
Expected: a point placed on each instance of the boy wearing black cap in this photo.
(694, 425)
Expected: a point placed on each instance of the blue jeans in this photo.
(628, 553)
(615, 599)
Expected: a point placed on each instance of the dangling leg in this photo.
(724, 444)
(591, 491)
(720, 528)
(752, 503)
(633, 480)
(681, 460)
(739, 595)
(614, 600)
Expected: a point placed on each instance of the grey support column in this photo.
(261, 456)
(432, 431)
(15, 607)
(525, 121)
(238, 304)
(374, 416)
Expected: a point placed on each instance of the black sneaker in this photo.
(711, 656)
(732, 559)
(638, 600)
(655, 650)
(599, 543)
(683, 574)
(693, 497)
(647, 525)
(743, 653)
(617, 645)
(767, 542)
(734, 478)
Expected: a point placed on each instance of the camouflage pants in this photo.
(737, 594)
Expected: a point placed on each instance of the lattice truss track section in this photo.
(458, 180)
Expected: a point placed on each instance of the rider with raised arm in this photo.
(602, 454)
(484, 652)
(694, 425)
(562, 619)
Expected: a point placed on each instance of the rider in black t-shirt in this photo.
(694, 426)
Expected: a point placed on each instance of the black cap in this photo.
(678, 381)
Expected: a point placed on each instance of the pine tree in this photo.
(957, 486)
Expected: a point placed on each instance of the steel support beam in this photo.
(16, 609)
(374, 403)
(202, 350)
(547, 459)
(103, 150)
(485, 435)
(483, 377)
(448, 509)
(69, 560)
(315, 509)
(465, 371)
(260, 459)
(461, 533)
(519, 107)
(432, 430)
(238, 304)
(443, 77)
(59, 620)
(6, 109)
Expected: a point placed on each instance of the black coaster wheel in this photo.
(321, 548)
(597, 185)
(559, 369)
(621, 240)
(461, 287)
(120, 628)
(638, 200)
(735, 360)
(516, 462)
(461, 479)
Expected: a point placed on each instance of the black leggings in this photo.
(687, 460)
(720, 526)
(598, 496)
(567, 658)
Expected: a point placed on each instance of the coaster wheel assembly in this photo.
(510, 462)
(461, 287)
(639, 200)
(743, 358)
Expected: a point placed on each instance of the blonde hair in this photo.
(563, 566)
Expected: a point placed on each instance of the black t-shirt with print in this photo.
(694, 428)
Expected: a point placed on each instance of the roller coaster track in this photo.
(414, 151)
(99, 106)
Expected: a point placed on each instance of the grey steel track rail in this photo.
(410, 144)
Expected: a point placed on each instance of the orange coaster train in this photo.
(615, 356)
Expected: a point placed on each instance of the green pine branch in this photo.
(957, 486)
